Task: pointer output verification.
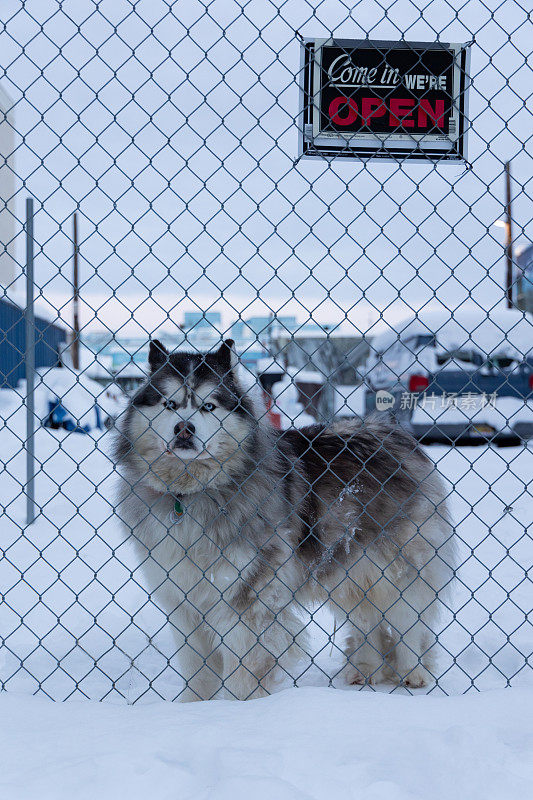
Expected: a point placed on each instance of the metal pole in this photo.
(76, 297)
(509, 236)
(30, 368)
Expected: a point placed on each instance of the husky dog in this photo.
(241, 528)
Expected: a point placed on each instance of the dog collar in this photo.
(178, 511)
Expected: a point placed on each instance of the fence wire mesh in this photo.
(236, 527)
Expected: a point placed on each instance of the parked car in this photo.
(464, 378)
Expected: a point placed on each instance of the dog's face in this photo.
(192, 408)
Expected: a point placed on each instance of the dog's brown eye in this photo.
(208, 407)
(170, 404)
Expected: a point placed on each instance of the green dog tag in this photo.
(177, 512)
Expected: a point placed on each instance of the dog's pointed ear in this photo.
(228, 355)
(157, 355)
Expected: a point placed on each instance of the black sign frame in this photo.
(440, 80)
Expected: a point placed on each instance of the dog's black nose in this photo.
(184, 430)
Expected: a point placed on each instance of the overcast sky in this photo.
(172, 128)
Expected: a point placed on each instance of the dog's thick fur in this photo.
(353, 515)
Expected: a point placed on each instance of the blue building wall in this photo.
(49, 339)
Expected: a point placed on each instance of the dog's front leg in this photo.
(249, 666)
(199, 660)
(260, 646)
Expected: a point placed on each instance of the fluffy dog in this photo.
(241, 528)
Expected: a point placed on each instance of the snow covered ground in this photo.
(78, 624)
(300, 744)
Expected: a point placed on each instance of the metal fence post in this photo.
(30, 369)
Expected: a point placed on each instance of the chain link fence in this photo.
(207, 209)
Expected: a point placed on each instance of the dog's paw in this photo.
(417, 678)
(364, 674)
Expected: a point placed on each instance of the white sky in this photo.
(172, 127)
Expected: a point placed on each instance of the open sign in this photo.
(398, 113)
(384, 99)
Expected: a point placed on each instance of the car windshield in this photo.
(500, 362)
(463, 356)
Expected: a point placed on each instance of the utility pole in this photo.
(30, 368)
(508, 236)
(76, 296)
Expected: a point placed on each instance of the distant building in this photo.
(202, 329)
(50, 340)
(262, 329)
(335, 355)
(199, 319)
(108, 359)
(524, 291)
